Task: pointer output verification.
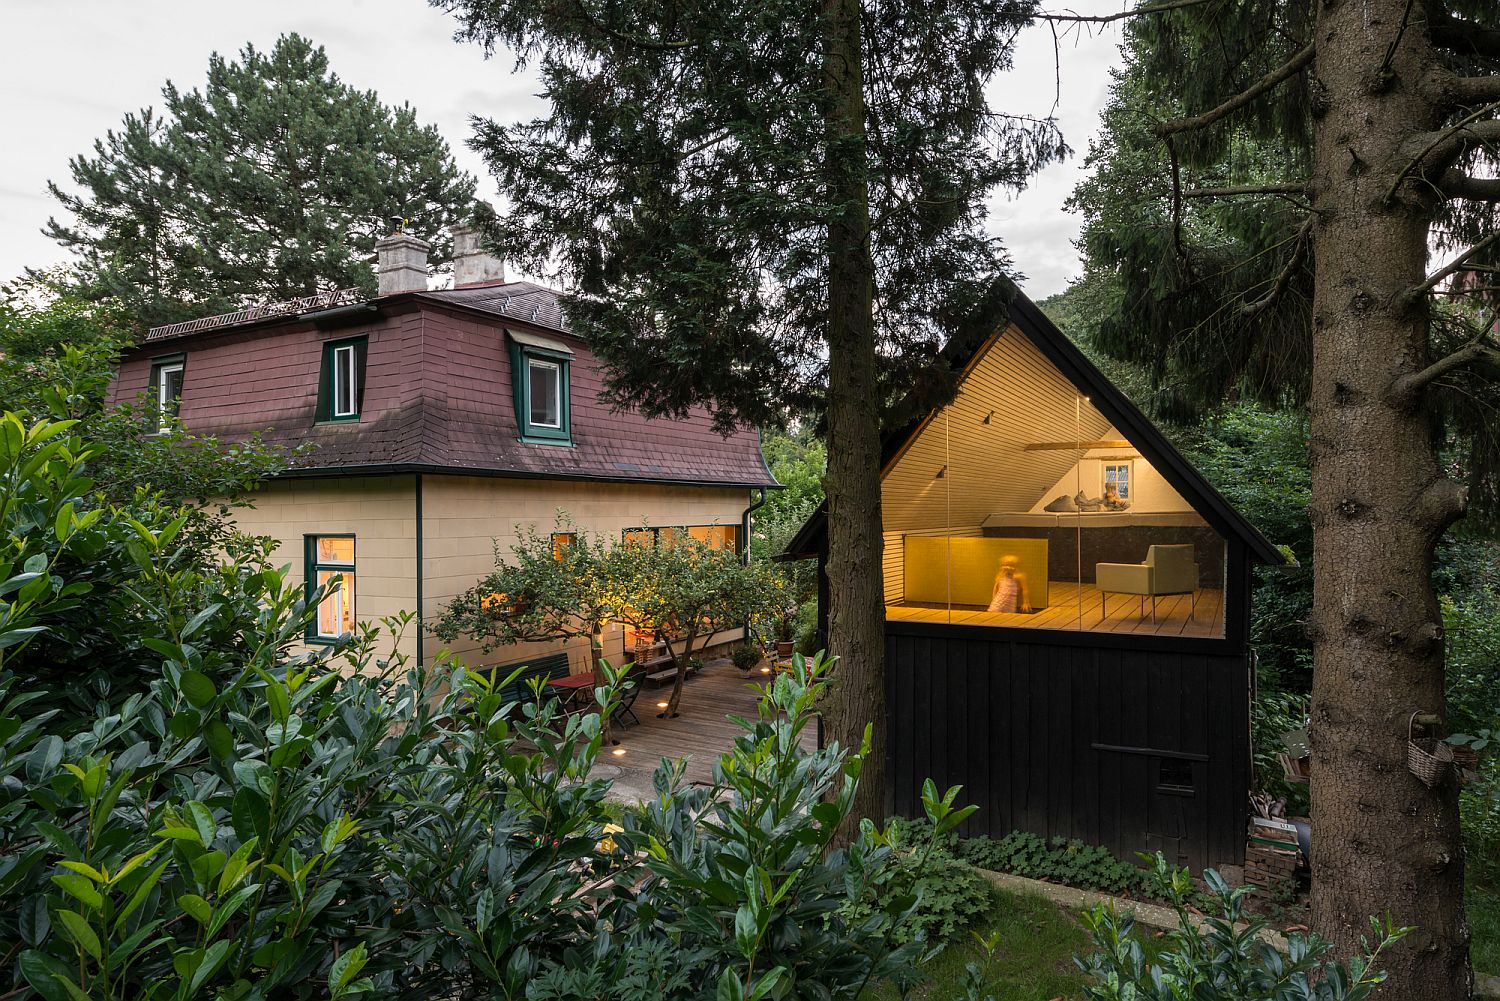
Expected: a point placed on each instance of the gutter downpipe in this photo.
(420, 570)
(744, 534)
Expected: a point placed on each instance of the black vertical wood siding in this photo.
(1068, 736)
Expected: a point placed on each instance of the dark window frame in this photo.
(521, 357)
(327, 379)
(312, 567)
(733, 531)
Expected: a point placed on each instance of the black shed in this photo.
(1067, 605)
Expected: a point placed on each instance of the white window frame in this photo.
(1129, 468)
(556, 369)
(351, 374)
(163, 401)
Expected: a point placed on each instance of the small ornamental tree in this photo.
(547, 589)
(684, 590)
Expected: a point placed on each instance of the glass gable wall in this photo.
(1020, 505)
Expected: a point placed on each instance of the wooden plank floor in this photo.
(1075, 606)
(700, 733)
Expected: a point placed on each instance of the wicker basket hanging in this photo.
(1427, 757)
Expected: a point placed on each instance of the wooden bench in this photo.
(546, 667)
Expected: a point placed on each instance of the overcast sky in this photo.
(74, 67)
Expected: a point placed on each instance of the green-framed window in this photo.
(164, 395)
(539, 378)
(329, 558)
(341, 388)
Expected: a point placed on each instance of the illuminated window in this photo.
(331, 558)
(712, 536)
(561, 541)
(166, 390)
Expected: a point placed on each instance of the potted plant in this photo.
(785, 622)
(745, 657)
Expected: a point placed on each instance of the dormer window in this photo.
(539, 378)
(544, 392)
(345, 382)
(341, 389)
(165, 392)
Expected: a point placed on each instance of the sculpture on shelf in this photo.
(1009, 594)
(1112, 499)
(1085, 503)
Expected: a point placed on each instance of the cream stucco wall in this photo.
(1150, 492)
(462, 518)
(379, 511)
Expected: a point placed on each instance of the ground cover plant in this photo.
(1022, 951)
(1221, 957)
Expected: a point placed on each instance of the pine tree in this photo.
(273, 181)
(1268, 228)
(770, 207)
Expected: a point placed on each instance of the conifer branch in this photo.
(1457, 184)
(1289, 188)
(1453, 267)
(1473, 89)
(1477, 351)
(1266, 83)
(1278, 287)
(1466, 37)
(1442, 147)
(1156, 8)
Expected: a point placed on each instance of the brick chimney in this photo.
(401, 263)
(472, 263)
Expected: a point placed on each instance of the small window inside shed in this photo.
(1175, 776)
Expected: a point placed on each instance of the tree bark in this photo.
(856, 612)
(1383, 843)
(680, 666)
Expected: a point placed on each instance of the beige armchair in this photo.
(1167, 570)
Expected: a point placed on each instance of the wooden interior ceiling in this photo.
(1011, 398)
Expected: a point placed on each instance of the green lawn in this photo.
(1484, 925)
(1038, 939)
(1034, 960)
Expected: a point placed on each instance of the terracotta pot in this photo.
(783, 648)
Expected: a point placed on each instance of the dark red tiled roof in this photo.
(436, 396)
(534, 304)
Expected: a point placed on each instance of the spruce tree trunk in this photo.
(856, 612)
(1382, 841)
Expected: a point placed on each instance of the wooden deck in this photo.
(1078, 606)
(700, 733)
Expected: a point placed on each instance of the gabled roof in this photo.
(1033, 324)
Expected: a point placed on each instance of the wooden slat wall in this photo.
(1026, 400)
(1069, 740)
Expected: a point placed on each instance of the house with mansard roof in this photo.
(441, 420)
